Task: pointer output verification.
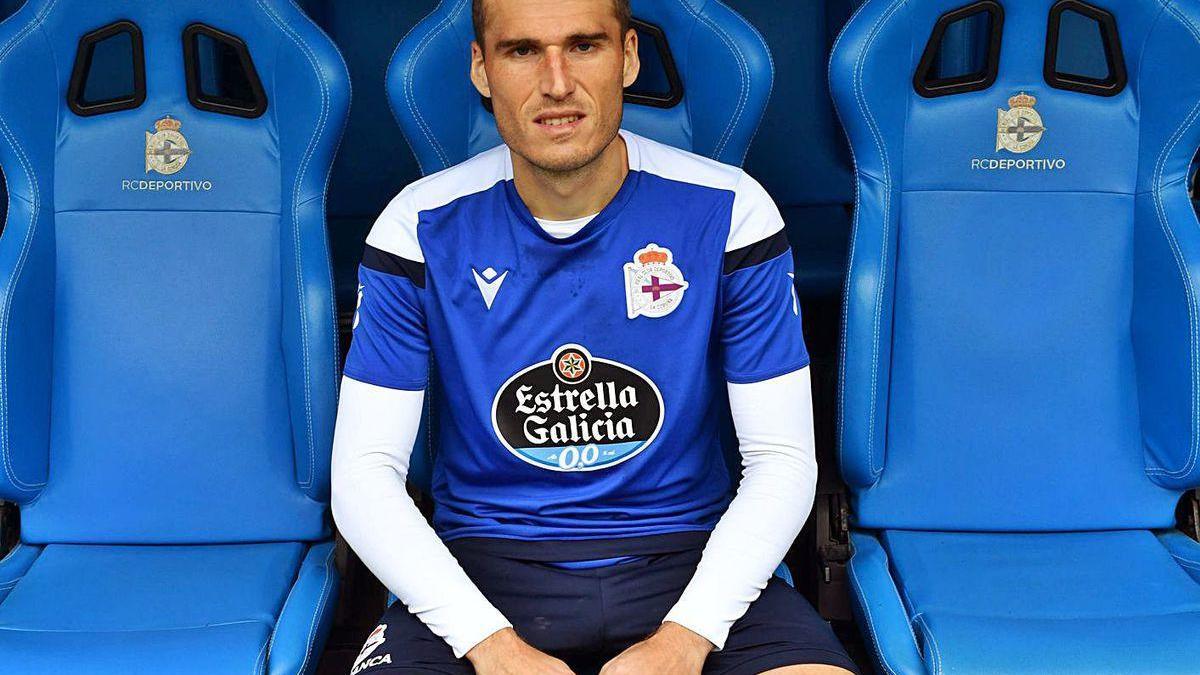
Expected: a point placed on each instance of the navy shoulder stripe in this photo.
(758, 252)
(390, 263)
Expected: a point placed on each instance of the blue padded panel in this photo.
(1029, 333)
(1184, 550)
(373, 162)
(880, 611)
(201, 609)
(14, 565)
(1048, 602)
(186, 335)
(724, 65)
(307, 614)
(799, 153)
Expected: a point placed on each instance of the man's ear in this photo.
(633, 65)
(478, 74)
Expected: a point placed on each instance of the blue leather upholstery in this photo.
(799, 153)
(373, 161)
(167, 358)
(1020, 378)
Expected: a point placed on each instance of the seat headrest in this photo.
(724, 80)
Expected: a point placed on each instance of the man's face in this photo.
(555, 71)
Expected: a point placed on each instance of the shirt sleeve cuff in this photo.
(482, 626)
(697, 620)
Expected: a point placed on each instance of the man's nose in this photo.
(556, 75)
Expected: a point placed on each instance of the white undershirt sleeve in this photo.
(774, 423)
(373, 440)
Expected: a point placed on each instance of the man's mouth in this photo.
(558, 119)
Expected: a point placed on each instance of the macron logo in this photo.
(489, 284)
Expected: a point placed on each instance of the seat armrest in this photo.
(1184, 550)
(880, 611)
(306, 616)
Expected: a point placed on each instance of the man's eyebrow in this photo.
(573, 38)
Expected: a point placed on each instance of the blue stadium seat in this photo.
(167, 352)
(1021, 385)
(724, 72)
(799, 153)
(373, 162)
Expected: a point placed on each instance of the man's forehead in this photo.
(548, 20)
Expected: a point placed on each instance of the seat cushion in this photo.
(203, 609)
(1073, 602)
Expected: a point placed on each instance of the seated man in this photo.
(585, 293)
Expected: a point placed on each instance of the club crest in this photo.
(1020, 128)
(167, 150)
(654, 286)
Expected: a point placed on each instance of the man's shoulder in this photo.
(753, 214)
(395, 231)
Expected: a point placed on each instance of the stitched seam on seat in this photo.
(1160, 212)
(35, 208)
(853, 231)
(316, 611)
(170, 629)
(883, 249)
(260, 662)
(862, 598)
(408, 81)
(309, 151)
(770, 60)
(937, 653)
(333, 317)
(312, 624)
(391, 59)
(743, 74)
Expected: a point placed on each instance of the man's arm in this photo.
(774, 423)
(376, 428)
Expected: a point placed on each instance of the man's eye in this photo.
(522, 51)
(585, 47)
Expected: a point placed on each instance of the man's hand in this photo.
(671, 650)
(505, 653)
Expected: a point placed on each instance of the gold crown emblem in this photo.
(168, 124)
(652, 257)
(1022, 100)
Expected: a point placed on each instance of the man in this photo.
(586, 295)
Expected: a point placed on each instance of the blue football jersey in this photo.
(578, 380)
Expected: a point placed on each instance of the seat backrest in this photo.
(167, 359)
(705, 81)
(1021, 333)
(361, 184)
(799, 153)
(723, 70)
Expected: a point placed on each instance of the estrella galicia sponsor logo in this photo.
(576, 412)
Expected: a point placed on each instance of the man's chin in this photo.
(562, 160)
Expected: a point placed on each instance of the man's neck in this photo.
(554, 195)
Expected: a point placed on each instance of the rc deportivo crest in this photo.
(1019, 128)
(576, 412)
(654, 286)
(167, 150)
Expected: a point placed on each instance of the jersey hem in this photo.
(406, 385)
(759, 376)
(574, 550)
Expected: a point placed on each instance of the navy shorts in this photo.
(586, 617)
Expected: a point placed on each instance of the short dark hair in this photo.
(479, 21)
